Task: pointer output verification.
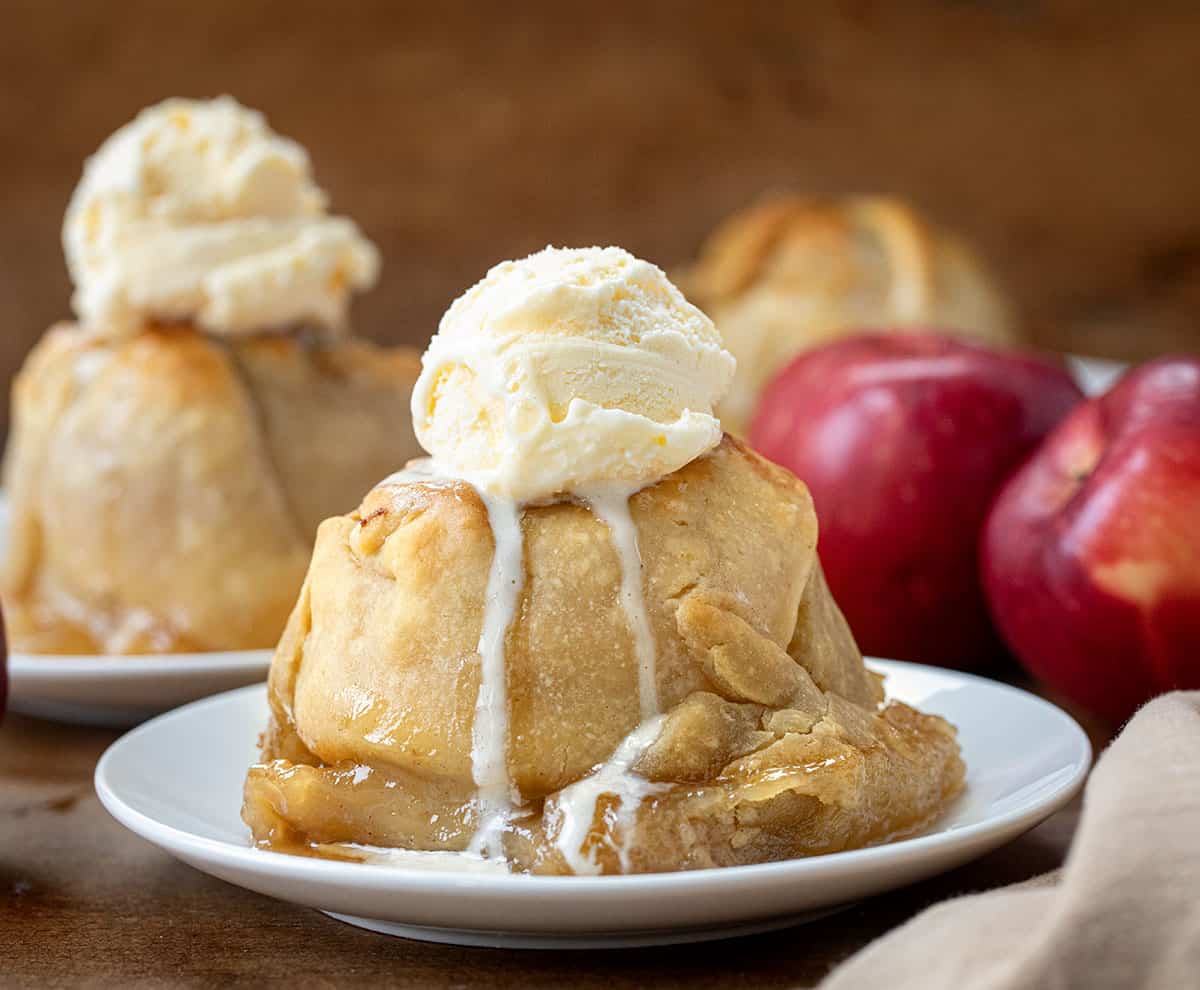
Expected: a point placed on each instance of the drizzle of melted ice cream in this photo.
(434, 861)
(613, 511)
(489, 732)
(497, 799)
(579, 374)
(575, 805)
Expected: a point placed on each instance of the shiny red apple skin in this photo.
(904, 438)
(1091, 553)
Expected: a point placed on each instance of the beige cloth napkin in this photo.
(1124, 912)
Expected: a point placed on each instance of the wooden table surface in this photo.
(84, 902)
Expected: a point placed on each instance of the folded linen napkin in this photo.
(1124, 912)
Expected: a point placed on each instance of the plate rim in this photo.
(83, 666)
(387, 877)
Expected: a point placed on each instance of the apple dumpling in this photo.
(172, 452)
(590, 634)
(165, 488)
(794, 271)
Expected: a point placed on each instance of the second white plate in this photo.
(125, 690)
(177, 781)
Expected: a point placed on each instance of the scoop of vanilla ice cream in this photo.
(570, 372)
(197, 210)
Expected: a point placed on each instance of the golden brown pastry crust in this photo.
(165, 488)
(793, 272)
(773, 744)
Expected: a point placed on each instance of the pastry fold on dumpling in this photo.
(794, 272)
(772, 739)
(165, 488)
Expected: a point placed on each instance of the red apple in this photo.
(1091, 553)
(904, 439)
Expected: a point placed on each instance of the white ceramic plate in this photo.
(177, 781)
(124, 690)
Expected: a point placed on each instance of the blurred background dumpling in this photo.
(793, 272)
(171, 453)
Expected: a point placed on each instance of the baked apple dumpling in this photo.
(172, 452)
(794, 272)
(590, 634)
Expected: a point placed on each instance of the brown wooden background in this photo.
(1064, 138)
